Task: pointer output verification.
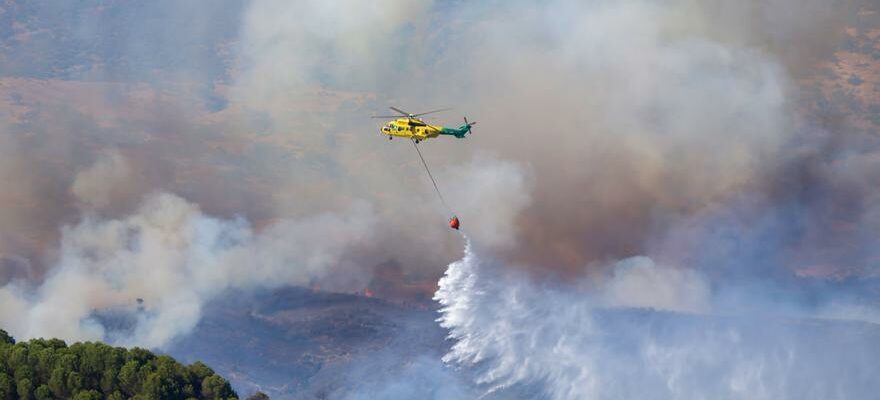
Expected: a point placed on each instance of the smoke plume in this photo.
(158, 267)
(693, 157)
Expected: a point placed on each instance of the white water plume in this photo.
(519, 335)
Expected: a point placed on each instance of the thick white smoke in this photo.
(95, 186)
(296, 47)
(639, 282)
(623, 128)
(142, 278)
(489, 193)
(156, 268)
(569, 344)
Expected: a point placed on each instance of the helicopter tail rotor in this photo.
(469, 124)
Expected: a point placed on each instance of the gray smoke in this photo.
(677, 154)
(162, 263)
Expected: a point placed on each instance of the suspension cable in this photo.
(436, 189)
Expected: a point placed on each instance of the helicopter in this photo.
(410, 126)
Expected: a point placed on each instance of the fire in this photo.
(368, 292)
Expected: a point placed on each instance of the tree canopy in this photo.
(42, 369)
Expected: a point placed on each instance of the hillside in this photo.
(296, 343)
(304, 344)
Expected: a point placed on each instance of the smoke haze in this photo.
(698, 159)
(164, 262)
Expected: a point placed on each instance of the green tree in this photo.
(18, 356)
(258, 396)
(24, 389)
(6, 392)
(201, 371)
(42, 392)
(5, 338)
(129, 379)
(58, 383)
(24, 372)
(74, 382)
(45, 363)
(88, 395)
(189, 391)
(215, 387)
(109, 380)
(68, 361)
(48, 368)
(140, 355)
(91, 362)
(158, 388)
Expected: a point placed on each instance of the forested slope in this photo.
(50, 369)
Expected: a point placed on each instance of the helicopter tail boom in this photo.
(459, 132)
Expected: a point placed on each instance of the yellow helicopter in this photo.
(410, 126)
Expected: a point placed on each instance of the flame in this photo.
(368, 292)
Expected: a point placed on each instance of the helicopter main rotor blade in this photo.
(386, 116)
(404, 113)
(431, 112)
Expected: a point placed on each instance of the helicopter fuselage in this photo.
(416, 129)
